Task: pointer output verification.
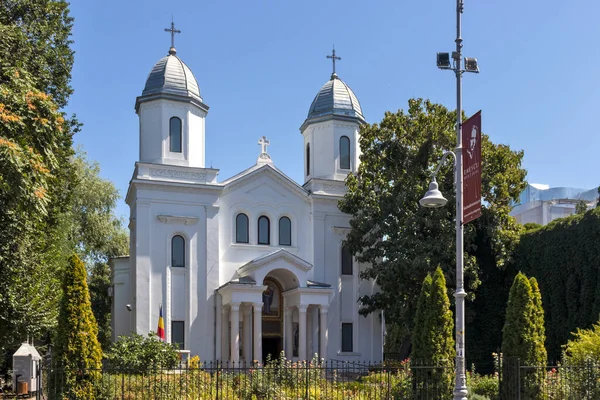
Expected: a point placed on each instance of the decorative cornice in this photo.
(177, 174)
(177, 220)
(340, 230)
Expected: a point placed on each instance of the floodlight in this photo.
(471, 65)
(443, 60)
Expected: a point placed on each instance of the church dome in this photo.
(170, 75)
(335, 98)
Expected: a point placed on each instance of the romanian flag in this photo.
(161, 326)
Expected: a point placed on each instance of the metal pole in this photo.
(460, 389)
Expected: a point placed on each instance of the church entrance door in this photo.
(271, 347)
(272, 319)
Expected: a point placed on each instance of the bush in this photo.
(137, 354)
(584, 347)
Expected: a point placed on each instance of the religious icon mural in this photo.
(271, 298)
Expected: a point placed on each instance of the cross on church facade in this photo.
(173, 32)
(333, 57)
(264, 142)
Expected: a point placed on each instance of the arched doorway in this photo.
(272, 319)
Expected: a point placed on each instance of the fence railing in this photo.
(277, 380)
(558, 382)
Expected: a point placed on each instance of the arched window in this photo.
(285, 231)
(307, 159)
(344, 152)
(346, 261)
(264, 230)
(175, 135)
(241, 228)
(177, 252)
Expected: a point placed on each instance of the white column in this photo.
(302, 331)
(247, 348)
(257, 336)
(224, 333)
(235, 332)
(323, 332)
(289, 333)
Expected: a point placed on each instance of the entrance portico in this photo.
(271, 306)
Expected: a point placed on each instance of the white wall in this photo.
(163, 211)
(120, 316)
(264, 193)
(154, 117)
(324, 138)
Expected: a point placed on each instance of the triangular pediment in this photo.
(269, 259)
(272, 179)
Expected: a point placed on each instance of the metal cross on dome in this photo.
(333, 57)
(264, 142)
(173, 32)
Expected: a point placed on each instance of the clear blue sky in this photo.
(260, 63)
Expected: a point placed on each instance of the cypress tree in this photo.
(433, 344)
(523, 338)
(539, 355)
(420, 348)
(78, 352)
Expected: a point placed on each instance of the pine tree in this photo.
(523, 338)
(78, 353)
(539, 356)
(420, 348)
(433, 344)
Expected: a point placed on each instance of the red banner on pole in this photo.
(471, 165)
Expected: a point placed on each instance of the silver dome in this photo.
(335, 98)
(170, 75)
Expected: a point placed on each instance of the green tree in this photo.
(523, 338)
(421, 349)
(96, 234)
(35, 151)
(401, 242)
(433, 343)
(581, 207)
(78, 353)
(35, 37)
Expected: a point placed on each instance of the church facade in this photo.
(253, 265)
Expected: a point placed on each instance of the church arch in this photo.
(242, 228)
(178, 248)
(264, 230)
(175, 135)
(307, 159)
(285, 231)
(344, 152)
(346, 266)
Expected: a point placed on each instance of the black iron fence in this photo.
(277, 380)
(558, 382)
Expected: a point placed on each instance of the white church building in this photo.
(252, 265)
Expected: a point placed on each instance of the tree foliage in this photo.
(564, 256)
(35, 37)
(77, 351)
(401, 242)
(583, 347)
(433, 342)
(523, 335)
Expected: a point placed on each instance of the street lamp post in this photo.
(434, 198)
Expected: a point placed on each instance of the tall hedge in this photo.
(433, 342)
(78, 354)
(564, 256)
(523, 338)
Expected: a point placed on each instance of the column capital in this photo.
(257, 307)
(324, 308)
(235, 306)
(302, 308)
